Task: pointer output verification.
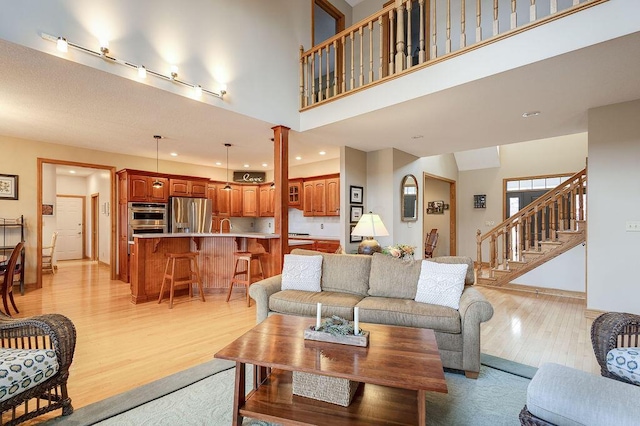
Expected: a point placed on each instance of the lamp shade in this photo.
(370, 225)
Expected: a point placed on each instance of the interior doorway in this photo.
(439, 198)
(70, 227)
(102, 177)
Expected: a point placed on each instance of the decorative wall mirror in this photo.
(409, 199)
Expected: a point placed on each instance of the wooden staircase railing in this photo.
(560, 210)
(408, 35)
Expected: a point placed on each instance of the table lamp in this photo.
(369, 227)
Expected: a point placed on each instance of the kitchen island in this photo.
(215, 259)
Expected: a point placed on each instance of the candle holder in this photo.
(337, 330)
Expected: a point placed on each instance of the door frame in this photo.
(332, 11)
(112, 212)
(453, 223)
(95, 229)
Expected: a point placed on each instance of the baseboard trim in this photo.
(539, 290)
(592, 313)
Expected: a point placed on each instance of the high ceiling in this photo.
(46, 98)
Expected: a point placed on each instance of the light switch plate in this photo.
(632, 226)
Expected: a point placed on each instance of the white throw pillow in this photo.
(441, 283)
(301, 272)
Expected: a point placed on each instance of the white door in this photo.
(69, 218)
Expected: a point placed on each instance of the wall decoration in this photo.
(435, 207)
(356, 194)
(354, 238)
(480, 201)
(356, 213)
(446, 206)
(9, 187)
(47, 209)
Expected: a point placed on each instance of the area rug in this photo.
(203, 395)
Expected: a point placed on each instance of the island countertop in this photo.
(258, 235)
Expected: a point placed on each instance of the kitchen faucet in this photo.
(222, 222)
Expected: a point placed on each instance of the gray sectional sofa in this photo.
(384, 289)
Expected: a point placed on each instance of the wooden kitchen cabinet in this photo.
(267, 202)
(187, 188)
(250, 200)
(321, 197)
(212, 194)
(295, 193)
(140, 188)
(236, 200)
(223, 201)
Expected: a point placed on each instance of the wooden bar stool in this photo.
(170, 274)
(247, 258)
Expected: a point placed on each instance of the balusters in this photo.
(313, 77)
(303, 60)
(553, 6)
(478, 21)
(361, 76)
(526, 233)
(463, 31)
(544, 223)
(343, 84)
(493, 252)
(519, 240)
(552, 219)
(335, 67)
(447, 46)
(392, 44)
(422, 32)
(352, 80)
(400, 45)
(532, 11)
(572, 211)
(581, 198)
(434, 40)
(409, 45)
(320, 85)
(514, 20)
(495, 18)
(505, 246)
(370, 52)
(536, 240)
(380, 45)
(328, 78)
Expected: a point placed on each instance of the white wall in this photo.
(202, 38)
(565, 272)
(612, 200)
(317, 168)
(353, 172)
(99, 183)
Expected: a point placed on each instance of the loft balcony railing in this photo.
(409, 35)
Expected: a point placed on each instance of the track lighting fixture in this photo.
(63, 45)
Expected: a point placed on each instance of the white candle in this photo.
(318, 316)
(356, 320)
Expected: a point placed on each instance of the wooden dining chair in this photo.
(430, 243)
(47, 255)
(9, 277)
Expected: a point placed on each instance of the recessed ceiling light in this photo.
(531, 114)
(246, 166)
(265, 165)
(417, 137)
(218, 163)
(174, 154)
(322, 152)
(72, 172)
(298, 158)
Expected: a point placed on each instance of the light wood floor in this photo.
(121, 346)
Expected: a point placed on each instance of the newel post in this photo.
(281, 181)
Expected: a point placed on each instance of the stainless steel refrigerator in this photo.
(190, 215)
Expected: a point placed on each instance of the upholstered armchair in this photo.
(35, 356)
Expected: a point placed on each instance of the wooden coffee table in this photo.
(397, 369)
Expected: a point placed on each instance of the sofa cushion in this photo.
(305, 303)
(470, 278)
(391, 277)
(565, 396)
(409, 313)
(623, 362)
(347, 273)
(301, 272)
(441, 283)
(23, 369)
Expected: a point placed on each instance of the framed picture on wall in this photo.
(356, 194)
(354, 238)
(9, 187)
(355, 213)
(47, 209)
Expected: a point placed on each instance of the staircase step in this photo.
(515, 265)
(486, 280)
(501, 271)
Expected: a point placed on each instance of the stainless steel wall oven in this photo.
(147, 218)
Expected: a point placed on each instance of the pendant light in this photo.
(157, 183)
(227, 187)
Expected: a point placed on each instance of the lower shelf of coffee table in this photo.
(372, 404)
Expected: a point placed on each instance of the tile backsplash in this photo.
(322, 226)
